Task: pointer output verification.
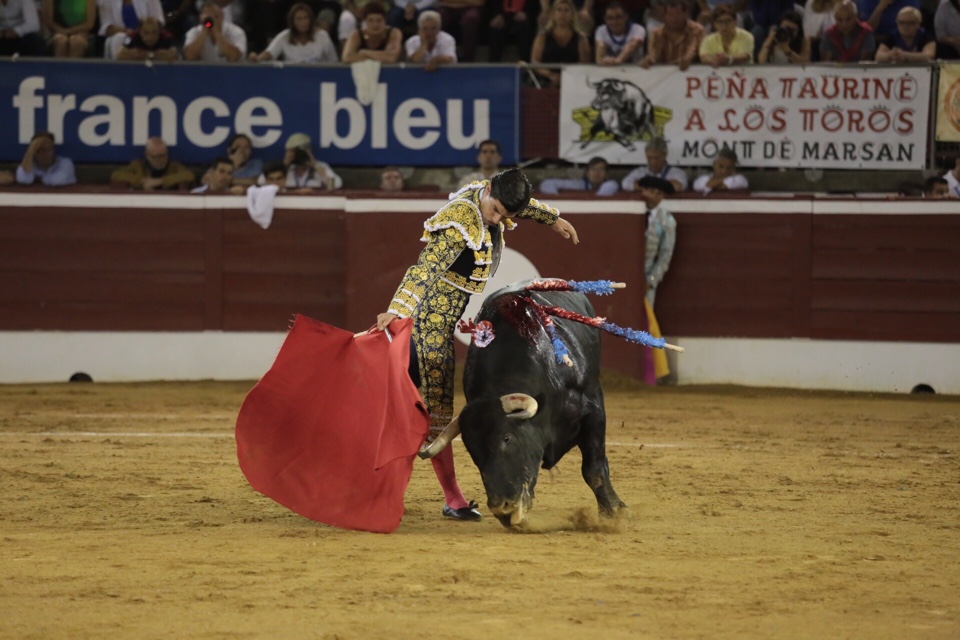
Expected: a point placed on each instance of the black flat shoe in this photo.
(469, 513)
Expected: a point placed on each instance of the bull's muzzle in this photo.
(511, 513)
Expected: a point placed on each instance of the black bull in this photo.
(525, 410)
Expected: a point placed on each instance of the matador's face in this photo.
(491, 210)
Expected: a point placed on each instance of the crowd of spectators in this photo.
(300, 172)
(442, 32)
(438, 32)
(235, 171)
(594, 181)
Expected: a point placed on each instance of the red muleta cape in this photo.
(333, 428)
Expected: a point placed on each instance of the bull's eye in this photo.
(507, 438)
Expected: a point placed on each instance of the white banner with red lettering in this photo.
(856, 117)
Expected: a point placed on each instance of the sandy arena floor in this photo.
(754, 514)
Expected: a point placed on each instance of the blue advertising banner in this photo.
(104, 112)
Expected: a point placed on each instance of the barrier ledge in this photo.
(369, 202)
(887, 207)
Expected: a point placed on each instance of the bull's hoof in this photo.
(469, 513)
(618, 511)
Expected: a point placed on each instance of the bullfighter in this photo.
(464, 244)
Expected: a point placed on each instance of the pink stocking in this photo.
(447, 475)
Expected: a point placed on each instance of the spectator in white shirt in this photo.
(619, 41)
(431, 45)
(41, 165)
(348, 22)
(303, 170)
(488, 159)
(817, 18)
(233, 12)
(656, 152)
(301, 41)
(20, 29)
(594, 180)
(723, 177)
(214, 40)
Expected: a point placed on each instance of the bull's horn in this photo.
(519, 406)
(446, 436)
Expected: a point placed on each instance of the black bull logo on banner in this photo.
(623, 111)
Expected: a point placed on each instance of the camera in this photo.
(208, 24)
(783, 35)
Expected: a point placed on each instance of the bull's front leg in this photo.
(596, 471)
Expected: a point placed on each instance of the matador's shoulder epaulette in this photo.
(461, 214)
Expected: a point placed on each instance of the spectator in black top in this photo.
(560, 42)
(179, 17)
(219, 179)
(149, 42)
(461, 19)
(911, 42)
(274, 173)
(511, 19)
(374, 40)
(404, 16)
(764, 14)
(787, 43)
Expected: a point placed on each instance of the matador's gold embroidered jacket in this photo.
(457, 228)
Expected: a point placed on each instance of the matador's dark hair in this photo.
(512, 189)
